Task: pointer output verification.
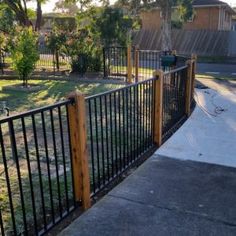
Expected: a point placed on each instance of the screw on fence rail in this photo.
(78, 137)
(136, 64)
(129, 65)
(158, 106)
(188, 94)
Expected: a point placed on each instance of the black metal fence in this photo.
(143, 62)
(36, 174)
(49, 62)
(115, 62)
(174, 97)
(120, 130)
(35, 171)
(148, 62)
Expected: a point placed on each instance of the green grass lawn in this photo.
(51, 92)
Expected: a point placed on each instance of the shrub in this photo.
(24, 52)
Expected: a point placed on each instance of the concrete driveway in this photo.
(209, 135)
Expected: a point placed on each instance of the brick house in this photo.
(208, 15)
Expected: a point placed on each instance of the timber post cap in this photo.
(75, 94)
(158, 73)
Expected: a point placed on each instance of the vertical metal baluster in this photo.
(63, 157)
(97, 144)
(143, 119)
(70, 152)
(107, 140)
(128, 145)
(147, 115)
(14, 147)
(116, 151)
(39, 171)
(30, 174)
(111, 132)
(137, 120)
(123, 130)
(120, 144)
(48, 165)
(102, 138)
(134, 124)
(91, 145)
(151, 101)
(8, 182)
(56, 161)
(132, 134)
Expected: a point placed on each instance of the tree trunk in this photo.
(166, 44)
(39, 16)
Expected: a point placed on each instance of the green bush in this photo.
(24, 52)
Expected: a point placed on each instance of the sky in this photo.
(51, 3)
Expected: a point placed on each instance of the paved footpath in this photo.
(187, 188)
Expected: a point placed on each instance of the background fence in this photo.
(50, 161)
(133, 64)
(49, 62)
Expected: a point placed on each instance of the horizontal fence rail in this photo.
(35, 171)
(120, 130)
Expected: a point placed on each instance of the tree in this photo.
(24, 52)
(21, 11)
(7, 18)
(184, 6)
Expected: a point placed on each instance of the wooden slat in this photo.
(78, 138)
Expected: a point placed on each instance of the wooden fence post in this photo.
(158, 106)
(194, 68)
(188, 88)
(136, 64)
(78, 139)
(129, 65)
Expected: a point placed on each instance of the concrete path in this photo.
(175, 192)
(209, 135)
(165, 197)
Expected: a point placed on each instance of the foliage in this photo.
(114, 26)
(84, 52)
(184, 7)
(7, 18)
(24, 52)
(23, 14)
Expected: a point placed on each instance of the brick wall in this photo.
(205, 18)
(151, 19)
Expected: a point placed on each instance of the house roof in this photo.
(212, 3)
(208, 2)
